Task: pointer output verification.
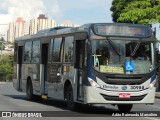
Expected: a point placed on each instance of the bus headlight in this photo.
(153, 84)
(93, 83)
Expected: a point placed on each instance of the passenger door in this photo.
(80, 67)
(55, 66)
(19, 67)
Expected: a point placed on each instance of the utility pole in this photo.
(3, 25)
(1, 46)
(2, 41)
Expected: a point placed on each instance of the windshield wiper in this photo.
(114, 47)
(136, 48)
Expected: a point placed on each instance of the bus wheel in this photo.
(125, 107)
(70, 98)
(29, 91)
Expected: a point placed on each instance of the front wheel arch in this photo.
(66, 85)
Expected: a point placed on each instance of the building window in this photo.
(68, 49)
(56, 53)
(27, 52)
(36, 52)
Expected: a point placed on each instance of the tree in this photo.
(136, 11)
(1, 43)
(1, 46)
(2, 39)
(117, 7)
(6, 67)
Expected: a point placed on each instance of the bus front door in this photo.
(44, 69)
(80, 74)
(20, 55)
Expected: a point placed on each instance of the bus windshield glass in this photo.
(121, 30)
(129, 57)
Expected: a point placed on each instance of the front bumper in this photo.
(96, 96)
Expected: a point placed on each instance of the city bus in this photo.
(96, 63)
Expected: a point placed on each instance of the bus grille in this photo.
(116, 98)
(124, 81)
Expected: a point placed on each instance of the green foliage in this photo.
(6, 67)
(136, 11)
(157, 41)
(1, 40)
(1, 47)
(117, 7)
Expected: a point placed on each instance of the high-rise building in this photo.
(21, 27)
(33, 27)
(26, 28)
(17, 29)
(10, 33)
(40, 23)
(68, 23)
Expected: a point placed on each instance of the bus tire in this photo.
(70, 98)
(29, 91)
(125, 107)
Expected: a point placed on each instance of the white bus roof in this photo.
(65, 30)
(55, 31)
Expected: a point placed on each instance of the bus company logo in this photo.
(124, 87)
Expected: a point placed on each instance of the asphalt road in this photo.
(11, 100)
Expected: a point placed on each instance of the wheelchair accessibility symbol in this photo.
(129, 65)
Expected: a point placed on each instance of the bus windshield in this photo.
(114, 56)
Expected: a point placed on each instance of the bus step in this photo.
(44, 96)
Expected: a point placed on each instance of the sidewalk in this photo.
(158, 95)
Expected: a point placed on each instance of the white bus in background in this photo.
(97, 63)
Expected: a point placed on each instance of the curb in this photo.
(157, 95)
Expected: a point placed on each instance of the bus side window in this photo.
(35, 52)
(68, 49)
(27, 52)
(56, 50)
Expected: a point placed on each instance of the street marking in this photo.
(151, 118)
(155, 106)
(2, 82)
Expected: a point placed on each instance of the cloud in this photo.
(53, 9)
(28, 9)
(10, 10)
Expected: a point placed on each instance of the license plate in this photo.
(124, 95)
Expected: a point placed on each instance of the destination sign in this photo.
(126, 30)
(111, 69)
